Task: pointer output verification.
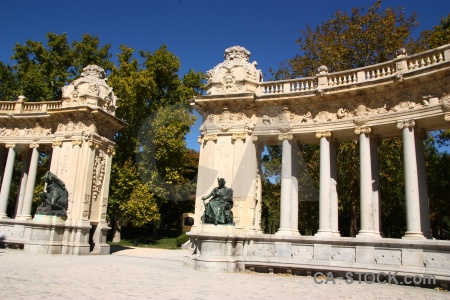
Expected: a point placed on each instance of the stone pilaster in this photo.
(6, 182)
(413, 225)
(324, 185)
(55, 156)
(286, 185)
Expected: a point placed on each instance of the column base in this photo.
(368, 234)
(4, 217)
(295, 233)
(284, 232)
(327, 233)
(414, 235)
(23, 218)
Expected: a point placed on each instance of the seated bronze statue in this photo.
(53, 202)
(218, 209)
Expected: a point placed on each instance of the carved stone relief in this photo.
(98, 174)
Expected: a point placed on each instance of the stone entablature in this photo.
(412, 87)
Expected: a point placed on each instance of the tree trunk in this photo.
(354, 219)
(117, 230)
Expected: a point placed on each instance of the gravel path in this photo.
(138, 273)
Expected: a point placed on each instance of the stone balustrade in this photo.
(359, 76)
(20, 106)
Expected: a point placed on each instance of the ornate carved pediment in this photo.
(235, 75)
(90, 88)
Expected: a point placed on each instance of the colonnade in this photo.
(416, 194)
(27, 182)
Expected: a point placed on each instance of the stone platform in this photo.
(304, 255)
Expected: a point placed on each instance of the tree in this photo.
(41, 71)
(352, 40)
(152, 97)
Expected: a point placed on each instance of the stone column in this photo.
(286, 185)
(6, 182)
(294, 190)
(366, 201)
(23, 182)
(334, 206)
(413, 225)
(31, 181)
(374, 141)
(324, 185)
(423, 188)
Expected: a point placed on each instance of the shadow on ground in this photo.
(117, 248)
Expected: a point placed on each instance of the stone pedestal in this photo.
(216, 249)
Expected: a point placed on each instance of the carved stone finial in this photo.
(322, 70)
(235, 75)
(90, 88)
(401, 52)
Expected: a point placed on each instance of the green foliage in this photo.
(352, 40)
(40, 71)
(152, 96)
(438, 36)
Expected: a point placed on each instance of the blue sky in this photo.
(197, 31)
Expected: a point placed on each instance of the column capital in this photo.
(77, 142)
(238, 136)
(10, 145)
(57, 143)
(110, 150)
(406, 124)
(93, 144)
(363, 130)
(447, 117)
(34, 145)
(325, 134)
(210, 137)
(286, 136)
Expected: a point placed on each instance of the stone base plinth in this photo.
(47, 235)
(308, 254)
